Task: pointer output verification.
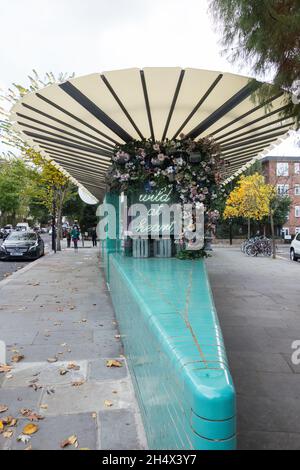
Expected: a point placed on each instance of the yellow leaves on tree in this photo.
(251, 198)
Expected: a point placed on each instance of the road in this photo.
(9, 267)
(257, 301)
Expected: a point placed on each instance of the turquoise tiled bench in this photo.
(175, 350)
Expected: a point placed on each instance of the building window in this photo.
(297, 189)
(297, 211)
(297, 168)
(297, 230)
(282, 189)
(282, 169)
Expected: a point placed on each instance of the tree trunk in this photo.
(61, 195)
(249, 233)
(273, 234)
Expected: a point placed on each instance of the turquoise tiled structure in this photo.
(175, 350)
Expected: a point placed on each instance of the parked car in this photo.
(7, 229)
(21, 244)
(22, 226)
(295, 248)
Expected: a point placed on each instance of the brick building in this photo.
(284, 173)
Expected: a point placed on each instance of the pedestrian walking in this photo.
(75, 236)
(94, 236)
(68, 238)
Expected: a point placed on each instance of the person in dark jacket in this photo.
(94, 236)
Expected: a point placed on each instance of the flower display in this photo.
(190, 168)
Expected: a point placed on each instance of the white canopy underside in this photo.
(77, 123)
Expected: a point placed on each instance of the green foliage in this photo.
(15, 178)
(192, 254)
(281, 205)
(264, 34)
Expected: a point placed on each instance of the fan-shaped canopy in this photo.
(77, 123)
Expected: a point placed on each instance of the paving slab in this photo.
(116, 424)
(59, 310)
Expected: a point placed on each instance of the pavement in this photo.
(57, 313)
(258, 304)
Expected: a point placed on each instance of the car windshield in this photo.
(19, 236)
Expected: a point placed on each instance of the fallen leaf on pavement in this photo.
(63, 371)
(44, 406)
(1, 426)
(72, 440)
(108, 403)
(50, 391)
(117, 336)
(7, 434)
(73, 366)
(31, 415)
(3, 408)
(94, 415)
(23, 438)
(76, 383)
(17, 358)
(52, 359)
(35, 386)
(113, 363)
(5, 368)
(29, 447)
(9, 421)
(30, 428)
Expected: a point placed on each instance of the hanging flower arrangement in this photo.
(192, 169)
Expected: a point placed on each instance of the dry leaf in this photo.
(72, 440)
(113, 363)
(76, 383)
(35, 417)
(30, 428)
(52, 359)
(117, 336)
(25, 411)
(108, 403)
(44, 406)
(7, 434)
(3, 408)
(29, 447)
(63, 371)
(9, 421)
(5, 368)
(1, 426)
(73, 366)
(23, 438)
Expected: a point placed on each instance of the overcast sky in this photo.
(85, 36)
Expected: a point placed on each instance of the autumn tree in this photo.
(249, 199)
(265, 35)
(52, 190)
